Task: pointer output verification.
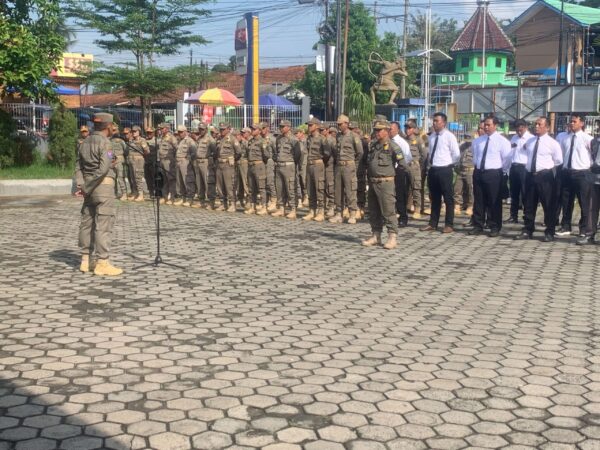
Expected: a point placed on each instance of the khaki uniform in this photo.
(348, 153)
(241, 172)
(167, 148)
(138, 149)
(301, 171)
(463, 185)
(361, 176)
(212, 174)
(205, 150)
(382, 190)
(227, 149)
(184, 179)
(317, 151)
(330, 174)
(257, 154)
(416, 193)
(150, 165)
(287, 155)
(96, 176)
(271, 190)
(118, 150)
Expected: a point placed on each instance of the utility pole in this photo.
(346, 26)
(483, 61)
(404, 44)
(427, 68)
(190, 87)
(338, 46)
(558, 77)
(328, 109)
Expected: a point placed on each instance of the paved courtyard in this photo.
(282, 334)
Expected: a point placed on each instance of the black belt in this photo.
(489, 170)
(449, 166)
(517, 165)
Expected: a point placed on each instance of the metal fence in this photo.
(29, 118)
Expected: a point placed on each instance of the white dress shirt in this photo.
(518, 147)
(498, 155)
(446, 152)
(549, 153)
(560, 136)
(582, 150)
(404, 147)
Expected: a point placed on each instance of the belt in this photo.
(345, 163)
(489, 170)
(255, 163)
(517, 165)
(577, 170)
(179, 158)
(108, 180)
(312, 162)
(285, 163)
(224, 160)
(449, 166)
(540, 172)
(381, 179)
(201, 159)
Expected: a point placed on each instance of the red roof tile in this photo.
(471, 37)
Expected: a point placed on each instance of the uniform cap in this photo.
(285, 123)
(313, 121)
(381, 125)
(202, 126)
(298, 130)
(126, 130)
(84, 128)
(181, 128)
(136, 128)
(333, 130)
(246, 130)
(102, 118)
(263, 125)
(224, 125)
(149, 130)
(255, 126)
(352, 125)
(343, 119)
(164, 125)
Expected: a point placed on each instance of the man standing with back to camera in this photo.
(95, 178)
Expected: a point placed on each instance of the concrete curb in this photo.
(21, 188)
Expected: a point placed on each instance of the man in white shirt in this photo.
(516, 175)
(594, 180)
(402, 177)
(577, 161)
(443, 155)
(543, 156)
(491, 158)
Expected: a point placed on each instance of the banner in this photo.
(241, 47)
(72, 64)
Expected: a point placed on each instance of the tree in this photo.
(32, 45)
(146, 28)
(444, 33)
(62, 138)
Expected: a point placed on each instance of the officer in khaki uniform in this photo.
(184, 188)
(150, 161)
(212, 170)
(205, 150)
(257, 154)
(84, 132)
(347, 154)
(317, 151)
(138, 150)
(419, 154)
(227, 150)
(331, 135)
(361, 174)
(241, 169)
(301, 169)
(95, 179)
(463, 184)
(286, 157)
(119, 151)
(167, 148)
(383, 154)
(269, 139)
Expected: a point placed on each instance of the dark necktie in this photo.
(571, 152)
(434, 148)
(482, 164)
(534, 157)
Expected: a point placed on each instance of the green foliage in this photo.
(62, 138)
(313, 85)
(15, 149)
(221, 68)
(32, 45)
(358, 103)
(443, 34)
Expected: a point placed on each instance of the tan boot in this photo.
(457, 210)
(209, 205)
(336, 219)
(196, 204)
(103, 267)
(250, 208)
(272, 206)
(162, 201)
(85, 263)
(310, 216)
(261, 210)
(416, 215)
(469, 211)
(139, 198)
(427, 211)
(291, 214)
(330, 212)
(231, 208)
(391, 241)
(187, 203)
(375, 239)
(346, 213)
(279, 212)
(305, 203)
(219, 208)
(352, 218)
(123, 198)
(319, 216)
(178, 202)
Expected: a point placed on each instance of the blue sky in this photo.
(288, 30)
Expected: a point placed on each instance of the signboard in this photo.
(73, 63)
(241, 47)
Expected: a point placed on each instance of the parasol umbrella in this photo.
(214, 96)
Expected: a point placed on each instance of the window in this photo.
(479, 61)
(464, 62)
(498, 63)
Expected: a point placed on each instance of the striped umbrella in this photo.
(214, 96)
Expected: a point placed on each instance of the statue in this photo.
(385, 80)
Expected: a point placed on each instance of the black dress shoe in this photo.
(548, 238)
(563, 232)
(511, 220)
(585, 240)
(494, 233)
(402, 223)
(475, 232)
(523, 236)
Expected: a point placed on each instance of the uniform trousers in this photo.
(211, 180)
(594, 210)
(225, 174)
(424, 172)
(516, 179)
(241, 177)
(183, 180)
(285, 184)
(575, 184)
(97, 220)
(149, 173)
(257, 182)
(271, 188)
(415, 196)
(463, 188)
(136, 165)
(540, 187)
(121, 176)
(402, 184)
(201, 176)
(329, 183)
(487, 190)
(167, 167)
(315, 184)
(361, 184)
(382, 205)
(439, 182)
(345, 186)
(558, 180)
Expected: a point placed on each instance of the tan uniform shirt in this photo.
(94, 162)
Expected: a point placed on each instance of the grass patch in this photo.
(39, 170)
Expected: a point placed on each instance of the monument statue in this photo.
(385, 79)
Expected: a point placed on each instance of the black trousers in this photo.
(575, 184)
(594, 210)
(558, 177)
(540, 187)
(439, 182)
(487, 194)
(402, 181)
(516, 179)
